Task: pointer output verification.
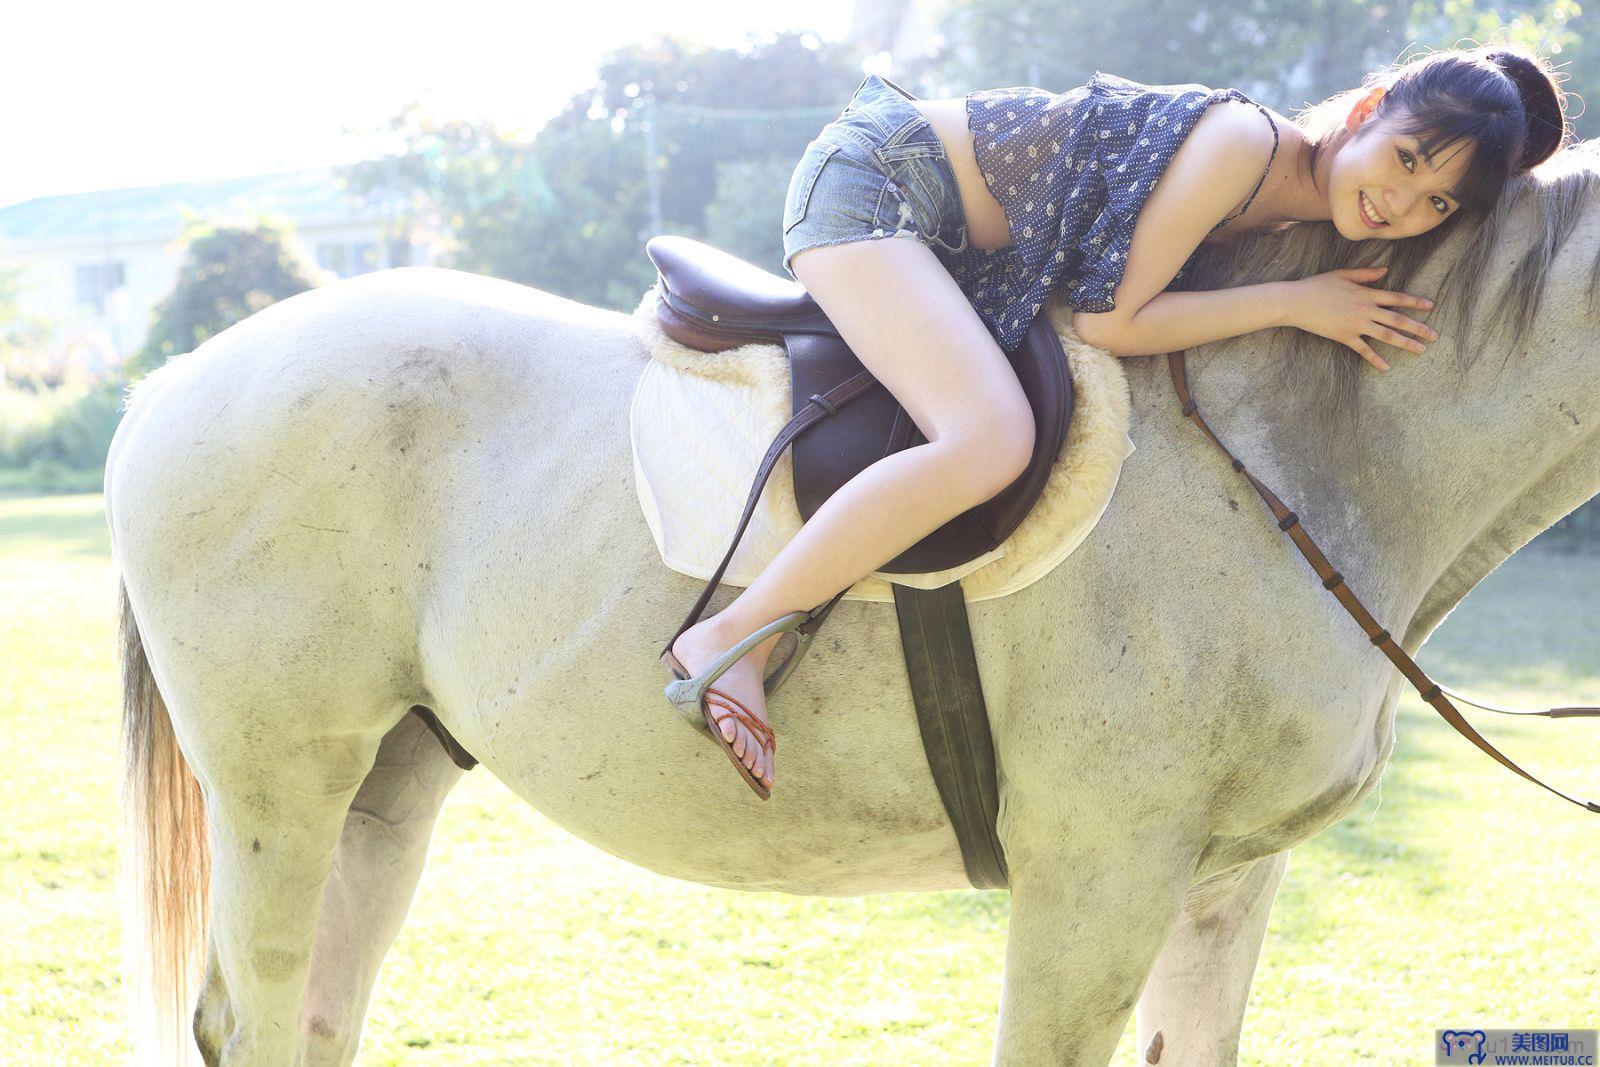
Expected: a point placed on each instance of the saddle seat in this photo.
(741, 302)
(712, 301)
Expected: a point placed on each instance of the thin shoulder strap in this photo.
(1265, 172)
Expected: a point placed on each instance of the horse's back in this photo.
(361, 372)
(293, 478)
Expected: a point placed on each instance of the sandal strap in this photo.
(732, 707)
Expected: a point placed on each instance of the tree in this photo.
(229, 274)
(746, 216)
(1284, 52)
(715, 105)
(569, 210)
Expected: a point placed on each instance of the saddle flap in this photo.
(701, 425)
(875, 425)
(712, 301)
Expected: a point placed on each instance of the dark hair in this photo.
(1502, 99)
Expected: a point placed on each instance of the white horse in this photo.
(414, 488)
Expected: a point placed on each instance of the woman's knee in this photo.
(1013, 446)
(994, 453)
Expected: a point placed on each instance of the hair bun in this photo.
(1543, 106)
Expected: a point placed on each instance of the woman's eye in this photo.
(1407, 158)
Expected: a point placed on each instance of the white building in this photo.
(98, 263)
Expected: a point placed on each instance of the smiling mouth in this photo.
(1369, 215)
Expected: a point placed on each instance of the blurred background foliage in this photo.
(228, 274)
(56, 425)
(671, 137)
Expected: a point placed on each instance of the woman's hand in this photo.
(1339, 306)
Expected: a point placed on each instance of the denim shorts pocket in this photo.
(917, 169)
(803, 180)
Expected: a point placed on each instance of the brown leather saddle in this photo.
(710, 300)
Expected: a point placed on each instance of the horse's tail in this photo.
(166, 861)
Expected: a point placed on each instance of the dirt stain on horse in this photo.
(276, 964)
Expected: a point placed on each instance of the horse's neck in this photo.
(1373, 501)
(1444, 465)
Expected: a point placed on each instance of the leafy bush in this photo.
(229, 274)
(69, 428)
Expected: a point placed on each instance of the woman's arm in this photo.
(1212, 172)
(1174, 321)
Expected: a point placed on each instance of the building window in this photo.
(97, 280)
(348, 258)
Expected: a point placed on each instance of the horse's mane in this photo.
(1558, 193)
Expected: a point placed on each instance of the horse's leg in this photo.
(375, 872)
(1193, 1005)
(1086, 926)
(275, 810)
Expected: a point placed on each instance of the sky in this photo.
(97, 95)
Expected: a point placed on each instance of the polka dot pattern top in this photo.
(1072, 171)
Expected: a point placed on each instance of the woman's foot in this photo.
(697, 648)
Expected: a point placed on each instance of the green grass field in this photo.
(1458, 895)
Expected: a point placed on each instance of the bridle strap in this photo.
(1334, 582)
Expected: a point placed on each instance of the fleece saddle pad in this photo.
(701, 421)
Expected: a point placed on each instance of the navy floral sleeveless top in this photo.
(1072, 171)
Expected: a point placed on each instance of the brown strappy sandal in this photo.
(762, 732)
(730, 706)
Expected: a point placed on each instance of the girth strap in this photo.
(1334, 582)
(943, 670)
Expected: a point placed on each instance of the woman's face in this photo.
(1408, 194)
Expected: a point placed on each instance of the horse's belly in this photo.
(541, 642)
(644, 786)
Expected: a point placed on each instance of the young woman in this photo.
(1103, 194)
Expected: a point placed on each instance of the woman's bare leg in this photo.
(912, 327)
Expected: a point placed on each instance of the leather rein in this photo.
(1334, 582)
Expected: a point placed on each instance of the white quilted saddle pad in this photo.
(701, 421)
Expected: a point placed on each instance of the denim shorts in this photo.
(878, 170)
